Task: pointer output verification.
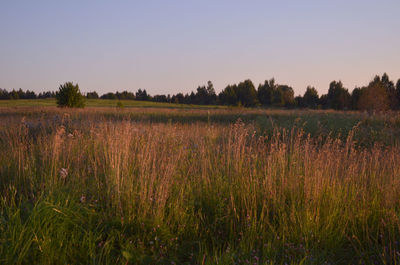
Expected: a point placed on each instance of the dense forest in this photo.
(380, 94)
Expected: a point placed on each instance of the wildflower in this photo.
(82, 199)
(63, 173)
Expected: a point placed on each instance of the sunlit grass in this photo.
(114, 187)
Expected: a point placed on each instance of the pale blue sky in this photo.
(174, 46)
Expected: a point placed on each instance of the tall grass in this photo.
(99, 191)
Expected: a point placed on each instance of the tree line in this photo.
(380, 94)
(20, 94)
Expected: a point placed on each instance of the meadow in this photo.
(191, 185)
(51, 102)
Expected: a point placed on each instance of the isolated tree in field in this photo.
(70, 96)
(311, 98)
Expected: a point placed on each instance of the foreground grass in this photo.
(105, 187)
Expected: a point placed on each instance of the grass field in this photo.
(102, 103)
(154, 185)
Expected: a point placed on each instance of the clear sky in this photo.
(170, 46)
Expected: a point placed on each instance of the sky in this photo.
(171, 46)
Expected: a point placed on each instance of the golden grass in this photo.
(227, 191)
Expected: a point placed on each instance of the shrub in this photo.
(70, 96)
